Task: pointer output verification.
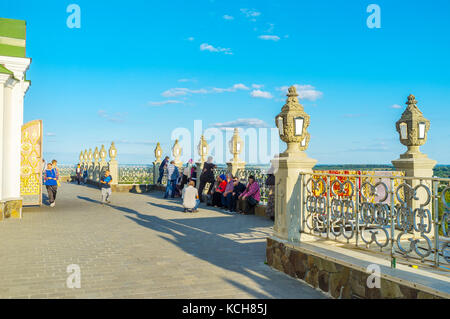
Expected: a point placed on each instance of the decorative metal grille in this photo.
(135, 174)
(395, 214)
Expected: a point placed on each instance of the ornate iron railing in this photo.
(136, 174)
(405, 217)
(66, 170)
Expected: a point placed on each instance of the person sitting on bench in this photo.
(251, 196)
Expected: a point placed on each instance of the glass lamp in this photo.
(403, 131)
(280, 126)
(422, 127)
(298, 124)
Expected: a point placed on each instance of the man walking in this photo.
(50, 182)
(78, 172)
(105, 182)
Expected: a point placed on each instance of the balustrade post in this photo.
(292, 123)
(176, 152)
(157, 163)
(412, 128)
(90, 165)
(103, 164)
(236, 145)
(96, 173)
(113, 164)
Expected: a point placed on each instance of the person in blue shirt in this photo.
(85, 175)
(172, 176)
(105, 185)
(51, 183)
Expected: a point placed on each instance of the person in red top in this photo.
(217, 196)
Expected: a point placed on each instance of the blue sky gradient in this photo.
(106, 80)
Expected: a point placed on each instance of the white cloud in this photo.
(396, 106)
(250, 13)
(50, 134)
(187, 80)
(116, 117)
(241, 123)
(234, 88)
(305, 92)
(210, 48)
(182, 91)
(228, 17)
(257, 86)
(185, 91)
(261, 94)
(165, 102)
(190, 39)
(269, 37)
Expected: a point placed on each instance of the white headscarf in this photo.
(210, 159)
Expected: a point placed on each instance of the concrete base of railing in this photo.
(343, 273)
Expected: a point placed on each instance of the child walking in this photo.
(105, 182)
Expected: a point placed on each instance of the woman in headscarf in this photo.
(219, 190)
(207, 176)
(186, 173)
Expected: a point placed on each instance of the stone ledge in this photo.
(344, 275)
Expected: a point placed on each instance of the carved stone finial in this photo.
(202, 149)
(158, 152)
(112, 152)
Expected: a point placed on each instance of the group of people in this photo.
(82, 175)
(224, 192)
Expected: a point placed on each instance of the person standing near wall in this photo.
(270, 183)
(161, 169)
(207, 176)
(50, 182)
(172, 176)
(105, 185)
(78, 172)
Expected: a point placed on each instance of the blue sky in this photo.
(136, 70)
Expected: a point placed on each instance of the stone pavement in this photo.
(141, 246)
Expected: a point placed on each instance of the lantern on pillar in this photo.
(112, 152)
(236, 145)
(176, 151)
(158, 153)
(203, 149)
(102, 153)
(85, 157)
(81, 157)
(412, 127)
(90, 156)
(96, 155)
(292, 124)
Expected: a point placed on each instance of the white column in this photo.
(12, 123)
(3, 79)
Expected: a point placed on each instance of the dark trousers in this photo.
(249, 208)
(201, 188)
(232, 201)
(51, 190)
(161, 174)
(79, 179)
(217, 199)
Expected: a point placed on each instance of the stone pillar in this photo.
(113, 165)
(236, 145)
(157, 163)
(413, 162)
(203, 150)
(12, 122)
(90, 165)
(96, 171)
(176, 152)
(289, 165)
(103, 164)
(3, 79)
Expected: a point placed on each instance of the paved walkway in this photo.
(141, 246)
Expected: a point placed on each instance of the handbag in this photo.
(252, 201)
